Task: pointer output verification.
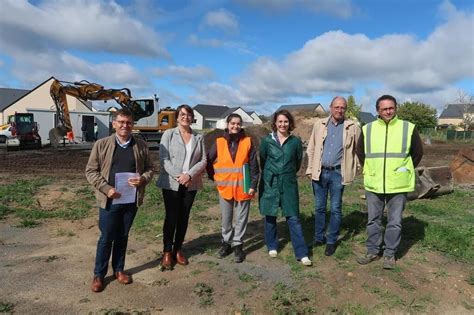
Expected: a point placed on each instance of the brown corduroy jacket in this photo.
(349, 163)
(100, 162)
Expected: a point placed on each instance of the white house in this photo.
(315, 109)
(214, 116)
(455, 115)
(39, 102)
(256, 119)
(247, 120)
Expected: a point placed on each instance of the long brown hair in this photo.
(288, 115)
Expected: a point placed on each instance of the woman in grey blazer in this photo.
(183, 160)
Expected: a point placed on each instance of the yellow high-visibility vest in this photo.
(229, 177)
(388, 167)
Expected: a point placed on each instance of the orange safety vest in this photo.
(228, 174)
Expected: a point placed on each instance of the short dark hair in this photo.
(233, 115)
(288, 115)
(384, 98)
(122, 112)
(187, 108)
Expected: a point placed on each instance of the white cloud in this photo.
(338, 62)
(67, 67)
(221, 19)
(88, 25)
(437, 99)
(235, 46)
(338, 8)
(186, 75)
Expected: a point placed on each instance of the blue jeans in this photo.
(115, 222)
(329, 182)
(296, 235)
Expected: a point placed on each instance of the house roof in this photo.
(9, 96)
(229, 111)
(366, 117)
(5, 106)
(214, 111)
(455, 110)
(301, 107)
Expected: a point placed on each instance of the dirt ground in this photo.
(47, 269)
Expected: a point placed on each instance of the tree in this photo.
(422, 115)
(353, 110)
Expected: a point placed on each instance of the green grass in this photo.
(22, 192)
(243, 293)
(245, 277)
(150, 216)
(20, 199)
(444, 224)
(205, 293)
(28, 224)
(350, 308)
(6, 307)
(287, 300)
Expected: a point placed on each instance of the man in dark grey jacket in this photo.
(110, 157)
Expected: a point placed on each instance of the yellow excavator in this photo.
(156, 120)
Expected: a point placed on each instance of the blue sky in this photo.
(257, 54)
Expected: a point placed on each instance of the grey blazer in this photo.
(172, 154)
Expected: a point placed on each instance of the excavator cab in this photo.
(142, 108)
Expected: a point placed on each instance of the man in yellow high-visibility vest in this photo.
(390, 150)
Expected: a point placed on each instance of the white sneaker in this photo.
(273, 253)
(306, 261)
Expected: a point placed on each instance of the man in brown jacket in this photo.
(332, 164)
(111, 156)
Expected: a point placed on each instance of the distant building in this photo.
(9, 96)
(315, 109)
(453, 115)
(39, 102)
(366, 117)
(214, 116)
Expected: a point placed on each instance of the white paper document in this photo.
(128, 193)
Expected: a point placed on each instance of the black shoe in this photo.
(225, 250)
(330, 249)
(239, 255)
(318, 243)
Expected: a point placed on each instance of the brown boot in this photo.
(123, 278)
(167, 260)
(181, 259)
(97, 284)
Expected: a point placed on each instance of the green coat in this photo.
(279, 185)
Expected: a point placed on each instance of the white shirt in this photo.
(187, 157)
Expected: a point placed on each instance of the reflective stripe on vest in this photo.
(388, 167)
(228, 174)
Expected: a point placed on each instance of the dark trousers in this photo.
(177, 205)
(115, 222)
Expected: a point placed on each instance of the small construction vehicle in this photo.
(21, 131)
(149, 121)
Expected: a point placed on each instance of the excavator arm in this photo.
(86, 91)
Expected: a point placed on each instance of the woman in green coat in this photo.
(280, 157)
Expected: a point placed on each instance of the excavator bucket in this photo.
(432, 182)
(462, 166)
(56, 135)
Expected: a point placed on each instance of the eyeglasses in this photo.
(124, 122)
(185, 115)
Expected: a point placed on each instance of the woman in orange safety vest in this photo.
(233, 165)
